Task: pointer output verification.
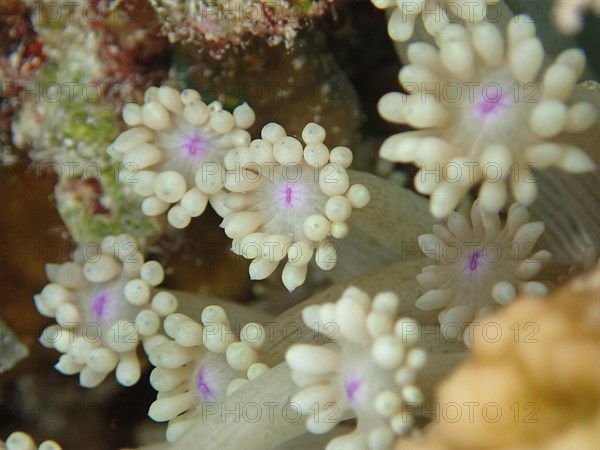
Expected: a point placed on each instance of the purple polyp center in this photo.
(490, 105)
(99, 304)
(352, 386)
(194, 146)
(474, 260)
(288, 194)
(202, 384)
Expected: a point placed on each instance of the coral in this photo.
(483, 116)
(203, 364)
(542, 357)
(479, 266)
(484, 109)
(568, 14)
(287, 198)
(436, 14)
(174, 150)
(103, 305)
(372, 373)
(222, 24)
(22, 441)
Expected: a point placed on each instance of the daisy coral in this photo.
(479, 266)
(436, 14)
(173, 153)
(104, 306)
(372, 372)
(203, 363)
(286, 199)
(568, 14)
(488, 114)
(22, 441)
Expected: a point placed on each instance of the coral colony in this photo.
(489, 108)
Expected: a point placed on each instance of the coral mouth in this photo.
(194, 147)
(352, 387)
(202, 384)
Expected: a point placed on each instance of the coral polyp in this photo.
(488, 114)
(436, 14)
(202, 364)
(372, 373)
(479, 266)
(103, 305)
(174, 150)
(22, 441)
(568, 14)
(286, 199)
